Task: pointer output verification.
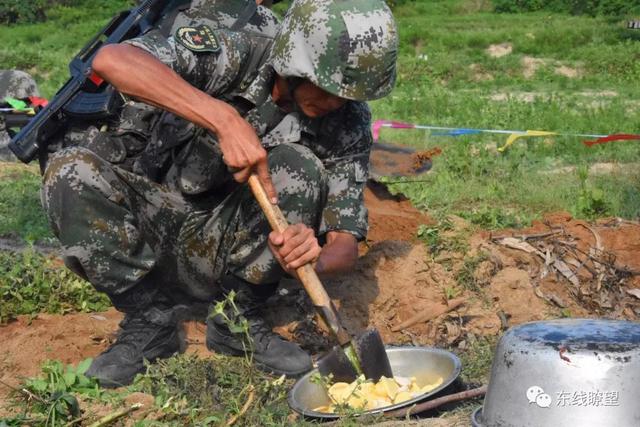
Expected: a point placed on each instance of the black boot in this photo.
(147, 333)
(269, 350)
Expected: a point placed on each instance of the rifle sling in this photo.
(247, 13)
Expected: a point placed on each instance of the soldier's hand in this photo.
(243, 153)
(295, 247)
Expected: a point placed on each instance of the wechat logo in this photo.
(537, 395)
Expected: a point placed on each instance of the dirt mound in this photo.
(391, 217)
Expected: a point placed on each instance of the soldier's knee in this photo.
(66, 165)
(295, 162)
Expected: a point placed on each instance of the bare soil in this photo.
(396, 280)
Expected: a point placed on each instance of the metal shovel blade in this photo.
(372, 358)
(392, 160)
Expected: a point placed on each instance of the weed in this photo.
(477, 358)
(466, 276)
(591, 201)
(234, 321)
(32, 283)
(450, 292)
(431, 236)
(50, 400)
(443, 237)
(191, 390)
(491, 218)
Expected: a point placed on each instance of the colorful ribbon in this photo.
(514, 135)
(16, 104)
(611, 138)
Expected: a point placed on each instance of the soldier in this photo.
(291, 111)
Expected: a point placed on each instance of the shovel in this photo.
(351, 357)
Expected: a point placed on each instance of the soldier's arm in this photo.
(338, 255)
(298, 246)
(137, 73)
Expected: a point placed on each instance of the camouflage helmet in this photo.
(346, 47)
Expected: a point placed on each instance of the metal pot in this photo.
(569, 372)
(424, 363)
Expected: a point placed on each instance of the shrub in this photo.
(30, 11)
(394, 3)
(18, 11)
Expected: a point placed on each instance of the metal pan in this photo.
(424, 363)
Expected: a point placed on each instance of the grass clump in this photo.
(466, 275)
(31, 283)
(197, 391)
(477, 358)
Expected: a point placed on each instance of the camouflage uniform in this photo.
(195, 223)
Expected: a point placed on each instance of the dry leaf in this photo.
(634, 292)
(564, 269)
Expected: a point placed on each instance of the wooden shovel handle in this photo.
(306, 273)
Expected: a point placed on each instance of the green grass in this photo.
(188, 390)
(21, 214)
(443, 45)
(31, 283)
(45, 49)
(477, 358)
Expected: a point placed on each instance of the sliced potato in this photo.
(428, 387)
(387, 387)
(403, 396)
(336, 391)
(365, 395)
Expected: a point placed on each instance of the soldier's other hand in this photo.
(243, 153)
(295, 247)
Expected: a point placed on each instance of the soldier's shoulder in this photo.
(221, 14)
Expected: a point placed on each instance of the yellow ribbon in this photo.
(515, 136)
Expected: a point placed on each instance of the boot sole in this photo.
(221, 348)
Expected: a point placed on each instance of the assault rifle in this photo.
(85, 95)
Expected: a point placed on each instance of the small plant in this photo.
(431, 236)
(450, 292)
(591, 201)
(442, 237)
(234, 320)
(51, 399)
(491, 218)
(466, 276)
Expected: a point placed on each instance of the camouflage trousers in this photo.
(119, 229)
